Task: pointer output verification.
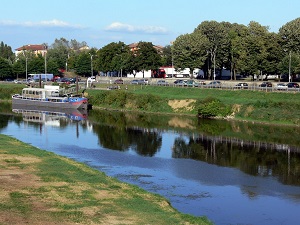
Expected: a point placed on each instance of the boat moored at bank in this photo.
(51, 97)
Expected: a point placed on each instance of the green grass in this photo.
(260, 106)
(67, 192)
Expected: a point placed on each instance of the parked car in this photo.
(119, 81)
(177, 81)
(201, 82)
(162, 83)
(180, 82)
(192, 83)
(293, 85)
(73, 80)
(134, 82)
(65, 80)
(281, 86)
(241, 86)
(266, 84)
(143, 81)
(214, 84)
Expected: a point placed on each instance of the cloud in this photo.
(46, 24)
(121, 27)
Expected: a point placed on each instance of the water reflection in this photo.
(49, 116)
(232, 172)
(256, 149)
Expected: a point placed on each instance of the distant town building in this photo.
(36, 49)
(133, 47)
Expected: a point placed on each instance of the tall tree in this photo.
(110, 57)
(216, 34)
(6, 52)
(5, 68)
(83, 64)
(290, 35)
(147, 57)
(167, 57)
(59, 52)
(189, 51)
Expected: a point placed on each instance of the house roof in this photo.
(31, 47)
(134, 46)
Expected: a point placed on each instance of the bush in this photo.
(212, 107)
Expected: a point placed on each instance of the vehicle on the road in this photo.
(266, 84)
(119, 81)
(180, 82)
(192, 83)
(293, 85)
(214, 84)
(134, 82)
(65, 80)
(281, 86)
(241, 86)
(162, 83)
(143, 81)
(201, 82)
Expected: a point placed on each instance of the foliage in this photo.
(112, 57)
(212, 107)
(167, 57)
(5, 68)
(6, 52)
(147, 57)
(83, 64)
(128, 100)
(289, 34)
(189, 51)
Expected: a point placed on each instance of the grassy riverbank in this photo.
(38, 187)
(259, 106)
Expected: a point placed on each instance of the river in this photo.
(231, 172)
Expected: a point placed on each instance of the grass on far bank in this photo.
(260, 106)
(38, 187)
(249, 105)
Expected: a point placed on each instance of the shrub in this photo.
(212, 107)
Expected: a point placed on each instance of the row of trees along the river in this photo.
(212, 45)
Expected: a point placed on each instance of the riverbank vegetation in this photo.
(248, 105)
(259, 106)
(40, 186)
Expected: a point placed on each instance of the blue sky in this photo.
(100, 22)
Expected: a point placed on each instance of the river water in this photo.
(231, 172)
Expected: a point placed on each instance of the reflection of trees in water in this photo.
(257, 159)
(3, 121)
(145, 142)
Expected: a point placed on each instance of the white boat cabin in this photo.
(41, 93)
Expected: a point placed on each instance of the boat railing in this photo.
(69, 91)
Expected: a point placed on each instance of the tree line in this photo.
(212, 46)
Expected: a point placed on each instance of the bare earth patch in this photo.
(178, 105)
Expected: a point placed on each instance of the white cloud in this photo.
(121, 27)
(50, 23)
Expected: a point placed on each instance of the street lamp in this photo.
(214, 65)
(26, 59)
(290, 61)
(45, 55)
(91, 64)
